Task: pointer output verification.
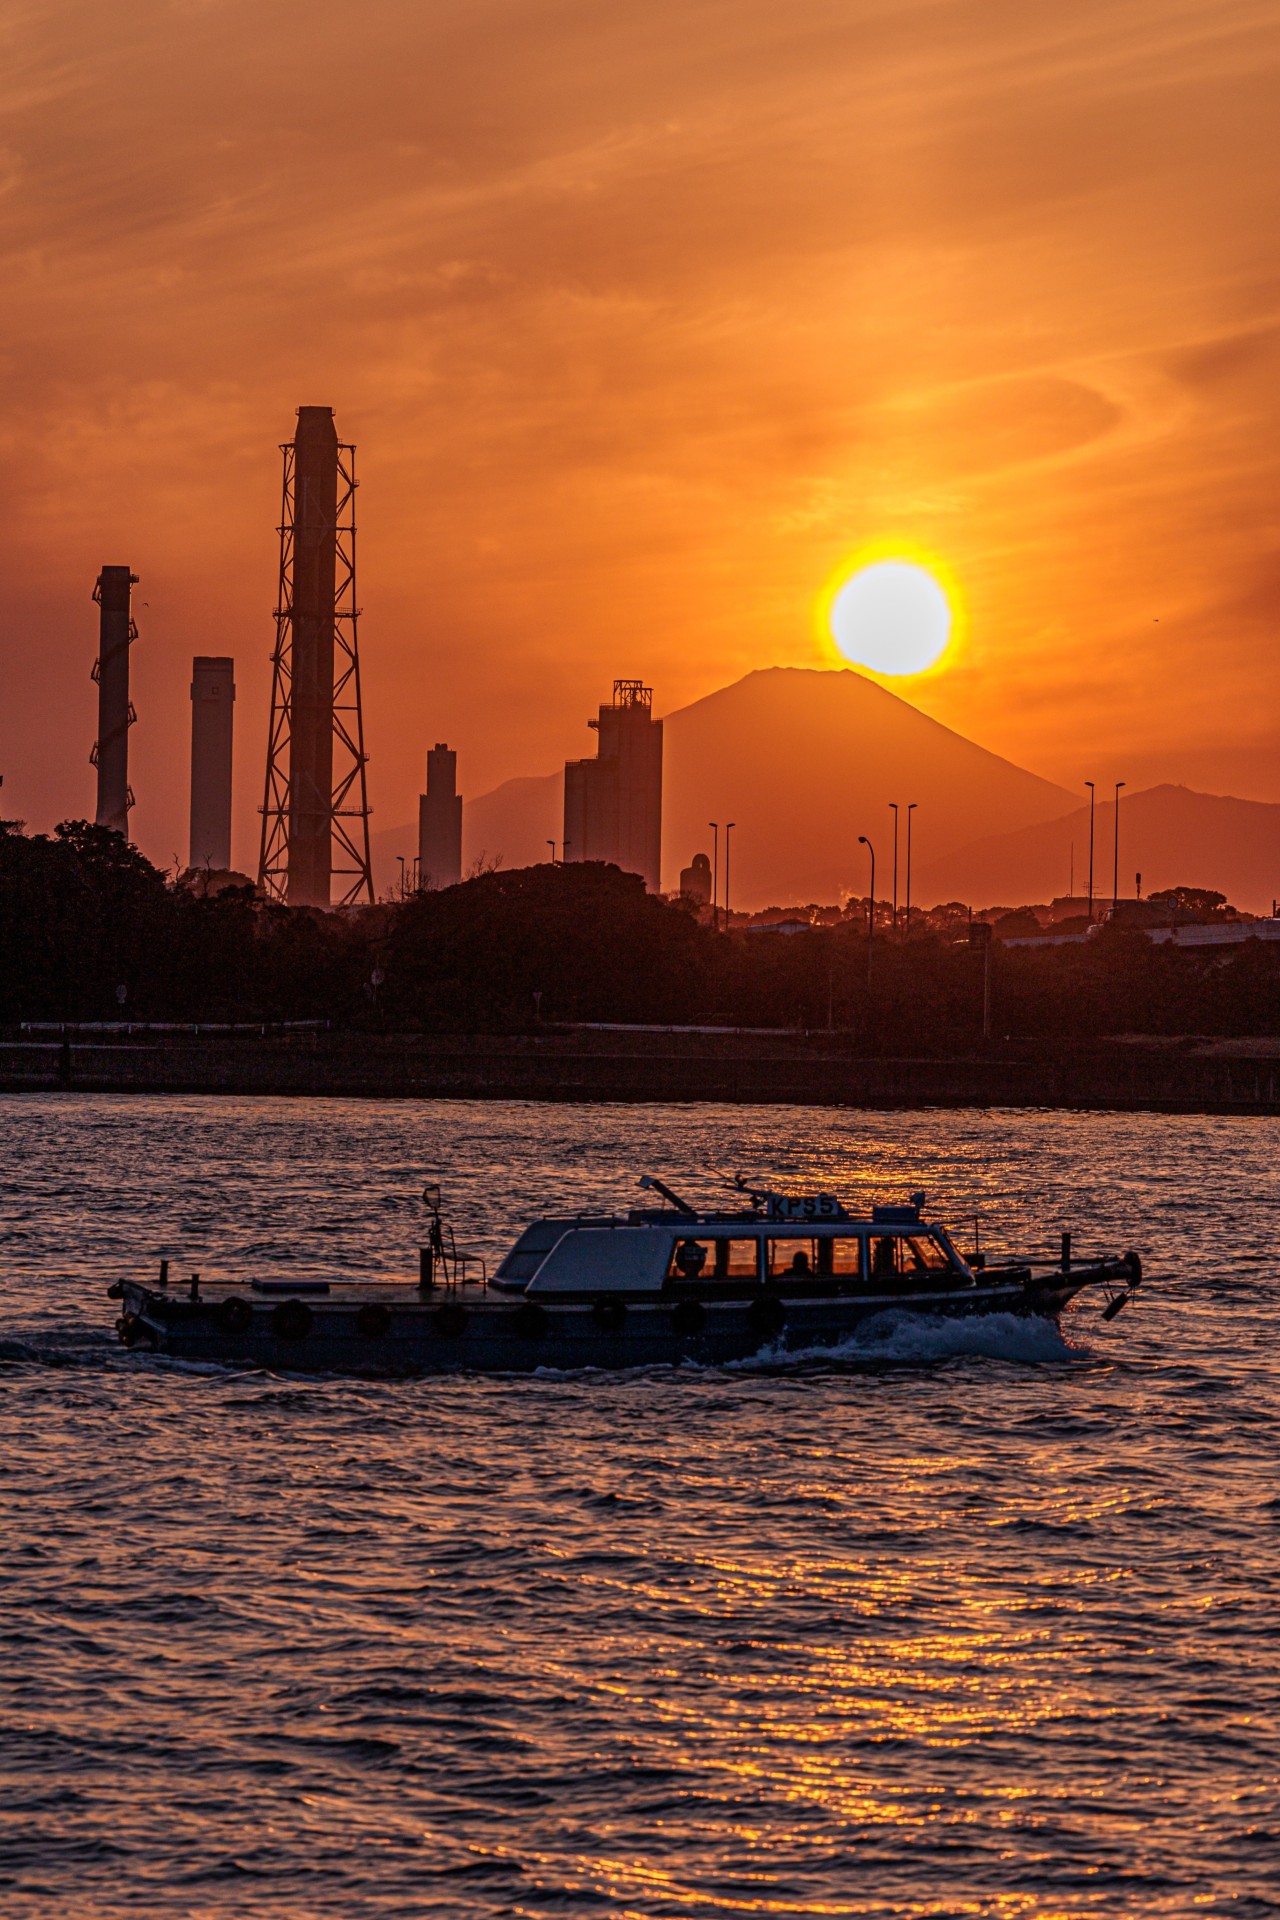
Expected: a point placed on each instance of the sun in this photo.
(893, 616)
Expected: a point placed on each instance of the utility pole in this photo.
(980, 936)
(1092, 798)
(893, 808)
(715, 876)
(729, 827)
(907, 915)
(1115, 873)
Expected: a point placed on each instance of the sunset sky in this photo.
(643, 318)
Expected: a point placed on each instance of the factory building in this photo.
(440, 821)
(613, 804)
(213, 692)
(116, 634)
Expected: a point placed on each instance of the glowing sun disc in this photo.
(891, 616)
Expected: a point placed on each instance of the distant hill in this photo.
(514, 822)
(1171, 835)
(511, 825)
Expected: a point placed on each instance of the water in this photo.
(973, 1622)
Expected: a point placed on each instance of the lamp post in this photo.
(1092, 797)
(552, 845)
(1115, 872)
(729, 826)
(907, 913)
(893, 808)
(400, 858)
(871, 903)
(715, 876)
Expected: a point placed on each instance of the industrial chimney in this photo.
(115, 709)
(316, 781)
(213, 692)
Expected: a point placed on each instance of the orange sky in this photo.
(642, 316)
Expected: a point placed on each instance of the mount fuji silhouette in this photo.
(803, 760)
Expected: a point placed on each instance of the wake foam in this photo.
(904, 1339)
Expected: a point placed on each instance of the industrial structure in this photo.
(213, 693)
(613, 804)
(110, 755)
(440, 821)
(696, 881)
(315, 812)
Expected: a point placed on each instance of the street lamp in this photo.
(907, 915)
(1115, 872)
(715, 876)
(552, 845)
(728, 829)
(400, 858)
(893, 808)
(1092, 797)
(871, 904)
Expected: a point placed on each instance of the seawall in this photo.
(591, 1065)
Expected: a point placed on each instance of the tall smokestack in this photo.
(315, 552)
(315, 807)
(213, 692)
(115, 710)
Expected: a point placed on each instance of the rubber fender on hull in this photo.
(292, 1320)
(688, 1316)
(1134, 1264)
(767, 1313)
(451, 1319)
(130, 1329)
(609, 1314)
(235, 1316)
(373, 1320)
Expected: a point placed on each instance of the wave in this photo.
(895, 1338)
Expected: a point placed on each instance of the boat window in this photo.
(884, 1257)
(923, 1255)
(793, 1259)
(906, 1254)
(713, 1259)
(840, 1255)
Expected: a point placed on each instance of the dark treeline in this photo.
(89, 930)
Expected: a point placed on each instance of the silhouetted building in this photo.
(440, 821)
(115, 709)
(695, 879)
(213, 692)
(613, 804)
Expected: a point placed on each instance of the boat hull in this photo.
(368, 1333)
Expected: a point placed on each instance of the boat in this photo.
(659, 1285)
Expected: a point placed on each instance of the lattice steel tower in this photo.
(315, 813)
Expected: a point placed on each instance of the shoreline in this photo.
(642, 1066)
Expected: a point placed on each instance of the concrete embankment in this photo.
(576, 1064)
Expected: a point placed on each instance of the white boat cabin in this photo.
(708, 1254)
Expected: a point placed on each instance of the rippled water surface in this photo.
(982, 1622)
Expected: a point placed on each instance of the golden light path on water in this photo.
(969, 1622)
